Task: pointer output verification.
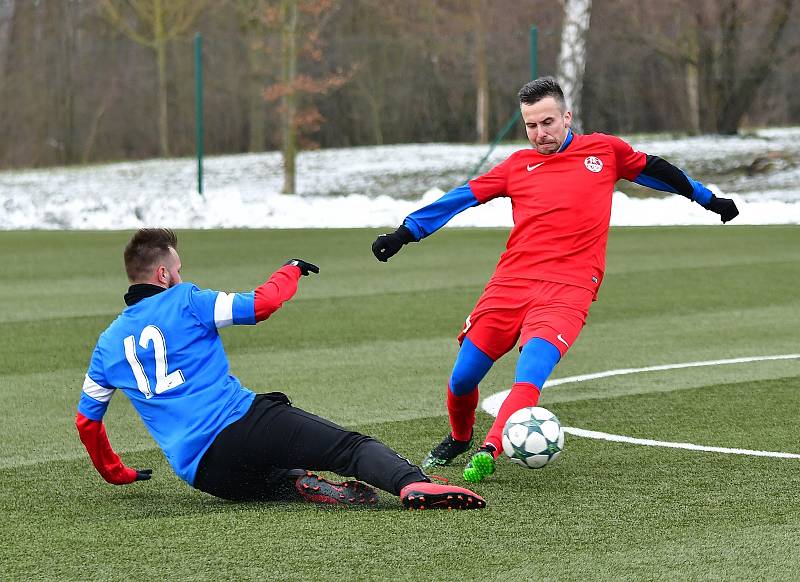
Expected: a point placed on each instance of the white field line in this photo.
(492, 404)
(593, 434)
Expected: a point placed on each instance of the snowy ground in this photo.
(379, 186)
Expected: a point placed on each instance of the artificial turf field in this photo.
(371, 345)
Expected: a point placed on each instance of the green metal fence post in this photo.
(198, 107)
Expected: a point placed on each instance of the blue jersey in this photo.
(166, 355)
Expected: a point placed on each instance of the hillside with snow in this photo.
(379, 186)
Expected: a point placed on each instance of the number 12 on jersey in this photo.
(164, 381)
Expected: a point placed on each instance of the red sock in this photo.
(462, 413)
(523, 394)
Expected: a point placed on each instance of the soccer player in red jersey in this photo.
(553, 265)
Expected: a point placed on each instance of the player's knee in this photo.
(461, 385)
(536, 362)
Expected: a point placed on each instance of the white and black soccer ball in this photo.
(533, 437)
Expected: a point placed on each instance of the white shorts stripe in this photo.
(93, 389)
(223, 310)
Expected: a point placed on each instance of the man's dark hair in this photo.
(145, 249)
(536, 90)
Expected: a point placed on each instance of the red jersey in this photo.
(561, 206)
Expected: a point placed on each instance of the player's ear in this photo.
(568, 119)
(162, 275)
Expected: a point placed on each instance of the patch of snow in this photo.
(363, 187)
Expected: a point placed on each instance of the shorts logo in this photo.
(560, 338)
(593, 164)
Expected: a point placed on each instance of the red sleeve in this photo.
(280, 287)
(630, 163)
(492, 184)
(106, 461)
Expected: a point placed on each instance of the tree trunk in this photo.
(257, 113)
(482, 74)
(7, 8)
(68, 90)
(288, 74)
(91, 135)
(738, 94)
(572, 56)
(693, 96)
(375, 114)
(691, 70)
(159, 38)
(163, 114)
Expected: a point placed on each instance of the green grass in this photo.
(371, 345)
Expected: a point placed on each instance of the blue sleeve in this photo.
(91, 408)
(217, 309)
(700, 193)
(430, 218)
(96, 393)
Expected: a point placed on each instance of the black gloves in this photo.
(725, 207)
(305, 268)
(387, 245)
(143, 474)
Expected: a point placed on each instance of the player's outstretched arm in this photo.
(661, 175)
(280, 287)
(105, 460)
(424, 222)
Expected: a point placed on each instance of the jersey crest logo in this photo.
(593, 164)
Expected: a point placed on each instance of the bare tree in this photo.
(255, 18)
(481, 73)
(6, 16)
(572, 57)
(7, 10)
(75, 89)
(299, 115)
(723, 70)
(156, 23)
(739, 84)
(289, 97)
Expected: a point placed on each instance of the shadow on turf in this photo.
(136, 502)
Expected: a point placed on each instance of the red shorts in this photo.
(520, 309)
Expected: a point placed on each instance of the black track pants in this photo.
(258, 456)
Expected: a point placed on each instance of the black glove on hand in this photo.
(725, 207)
(305, 267)
(143, 474)
(387, 245)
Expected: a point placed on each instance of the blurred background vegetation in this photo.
(84, 81)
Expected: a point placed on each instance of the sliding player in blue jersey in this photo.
(165, 353)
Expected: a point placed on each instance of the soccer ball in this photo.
(533, 437)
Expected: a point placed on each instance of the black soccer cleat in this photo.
(445, 452)
(316, 489)
(424, 495)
